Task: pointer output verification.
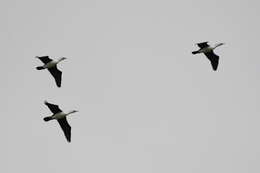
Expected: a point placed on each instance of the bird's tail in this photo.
(39, 68)
(47, 118)
(195, 52)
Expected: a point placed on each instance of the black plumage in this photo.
(44, 59)
(65, 128)
(213, 59)
(56, 73)
(203, 44)
(53, 108)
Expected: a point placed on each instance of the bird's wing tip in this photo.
(202, 42)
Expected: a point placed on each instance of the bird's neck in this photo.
(70, 112)
(60, 59)
(217, 45)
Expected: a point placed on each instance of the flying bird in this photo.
(208, 51)
(60, 116)
(51, 65)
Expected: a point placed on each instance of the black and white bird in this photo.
(60, 116)
(51, 65)
(208, 51)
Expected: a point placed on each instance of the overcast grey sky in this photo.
(147, 105)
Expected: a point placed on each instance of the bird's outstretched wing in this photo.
(203, 44)
(54, 108)
(65, 128)
(214, 59)
(44, 59)
(56, 73)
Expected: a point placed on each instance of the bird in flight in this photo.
(208, 51)
(51, 65)
(60, 116)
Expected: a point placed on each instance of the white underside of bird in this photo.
(59, 115)
(206, 49)
(50, 64)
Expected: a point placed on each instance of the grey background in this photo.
(146, 103)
